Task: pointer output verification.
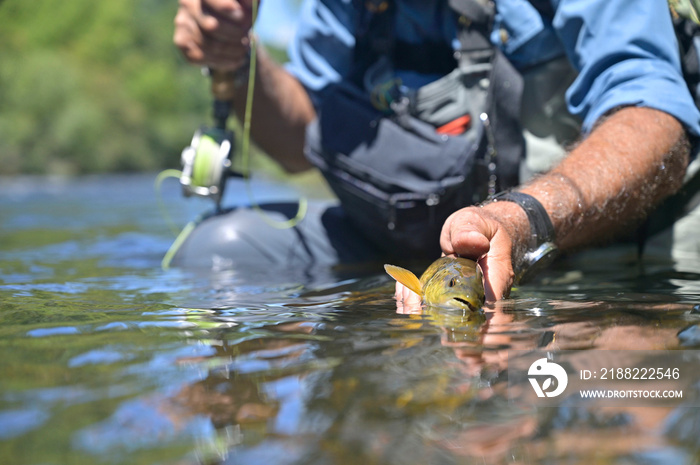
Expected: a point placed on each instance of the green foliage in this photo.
(94, 87)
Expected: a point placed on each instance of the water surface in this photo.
(107, 358)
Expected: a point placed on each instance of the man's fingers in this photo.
(497, 279)
(223, 7)
(407, 301)
(187, 37)
(229, 15)
(405, 295)
(208, 35)
(470, 233)
(467, 234)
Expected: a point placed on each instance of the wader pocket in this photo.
(401, 223)
(397, 179)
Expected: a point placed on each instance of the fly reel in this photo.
(206, 162)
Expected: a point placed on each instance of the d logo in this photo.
(543, 368)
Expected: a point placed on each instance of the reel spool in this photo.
(206, 162)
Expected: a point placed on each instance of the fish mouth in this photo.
(469, 305)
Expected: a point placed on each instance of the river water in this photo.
(107, 358)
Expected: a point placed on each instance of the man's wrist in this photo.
(514, 222)
(541, 227)
(538, 238)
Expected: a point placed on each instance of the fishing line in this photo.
(179, 240)
(157, 185)
(182, 234)
(245, 144)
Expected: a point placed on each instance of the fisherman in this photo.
(420, 112)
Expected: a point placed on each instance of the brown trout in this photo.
(449, 282)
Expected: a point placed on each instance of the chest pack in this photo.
(402, 160)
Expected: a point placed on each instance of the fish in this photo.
(449, 282)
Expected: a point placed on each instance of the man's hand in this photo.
(487, 234)
(214, 32)
(484, 234)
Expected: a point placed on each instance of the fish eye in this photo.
(453, 281)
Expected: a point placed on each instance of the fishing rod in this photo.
(207, 160)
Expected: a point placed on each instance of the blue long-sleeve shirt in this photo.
(625, 51)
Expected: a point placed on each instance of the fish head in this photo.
(455, 283)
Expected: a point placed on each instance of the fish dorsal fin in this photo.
(405, 277)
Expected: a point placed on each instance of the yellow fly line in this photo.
(245, 144)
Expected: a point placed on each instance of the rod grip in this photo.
(223, 84)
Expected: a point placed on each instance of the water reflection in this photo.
(359, 379)
(105, 358)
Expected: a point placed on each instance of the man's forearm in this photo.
(627, 165)
(281, 111)
(611, 181)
